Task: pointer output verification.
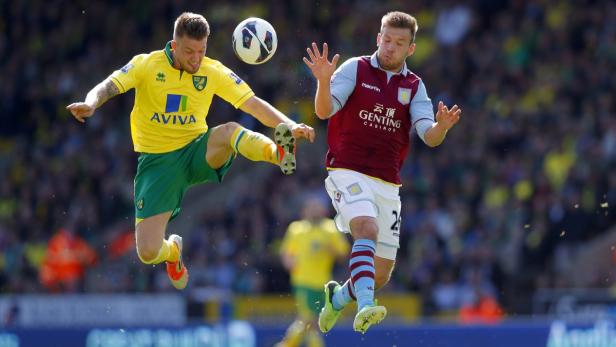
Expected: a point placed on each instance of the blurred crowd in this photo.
(496, 212)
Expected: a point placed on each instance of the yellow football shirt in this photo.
(171, 105)
(315, 248)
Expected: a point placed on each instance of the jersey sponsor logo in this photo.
(160, 77)
(404, 96)
(235, 78)
(126, 67)
(381, 117)
(173, 118)
(371, 87)
(139, 204)
(176, 103)
(199, 82)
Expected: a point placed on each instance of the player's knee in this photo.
(230, 127)
(222, 135)
(364, 228)
(146, 255)
(147, 251)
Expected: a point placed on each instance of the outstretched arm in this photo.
(271, 117)
(95, 98)
(445, 120)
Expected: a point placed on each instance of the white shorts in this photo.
(356, 195)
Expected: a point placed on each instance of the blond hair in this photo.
(397, 19)
(192, 25)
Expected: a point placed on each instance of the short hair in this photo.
(192, 25)
(397, 19)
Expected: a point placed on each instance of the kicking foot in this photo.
(177, 272)
(285, 142)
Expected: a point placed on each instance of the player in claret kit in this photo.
(372, 103)
(174, 88)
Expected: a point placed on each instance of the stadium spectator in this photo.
(68, 257)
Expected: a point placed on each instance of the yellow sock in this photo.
(174, 253)
(295, 334)
(254, 146)
(168, 252)
(314, 339)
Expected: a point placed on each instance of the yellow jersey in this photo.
(171, 105)
(315, 248)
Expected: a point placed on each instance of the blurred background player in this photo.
(372, 103)
(174, 90)
(309, 251)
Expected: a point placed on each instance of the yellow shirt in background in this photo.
(315, 248)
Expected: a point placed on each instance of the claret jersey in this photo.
(374, 112)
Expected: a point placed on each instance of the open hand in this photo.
(446, 117)
(321, 67)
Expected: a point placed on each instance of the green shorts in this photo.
(309, 301)
(162, 179)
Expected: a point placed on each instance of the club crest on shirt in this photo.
(404, 96)
(199, 82)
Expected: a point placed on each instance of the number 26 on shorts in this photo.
(397, 218)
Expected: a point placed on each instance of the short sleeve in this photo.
(231, 88)
(422, 114)
(129, 76)
(343, 83)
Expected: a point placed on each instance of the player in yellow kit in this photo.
(309, 250)
(174, 88)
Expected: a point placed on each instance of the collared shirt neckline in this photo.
(375, 63)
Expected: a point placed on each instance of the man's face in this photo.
(189, 53)
(394, 47)
(314, 209)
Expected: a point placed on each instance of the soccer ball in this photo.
(254, 41)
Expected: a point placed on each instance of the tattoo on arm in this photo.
(102, 92)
